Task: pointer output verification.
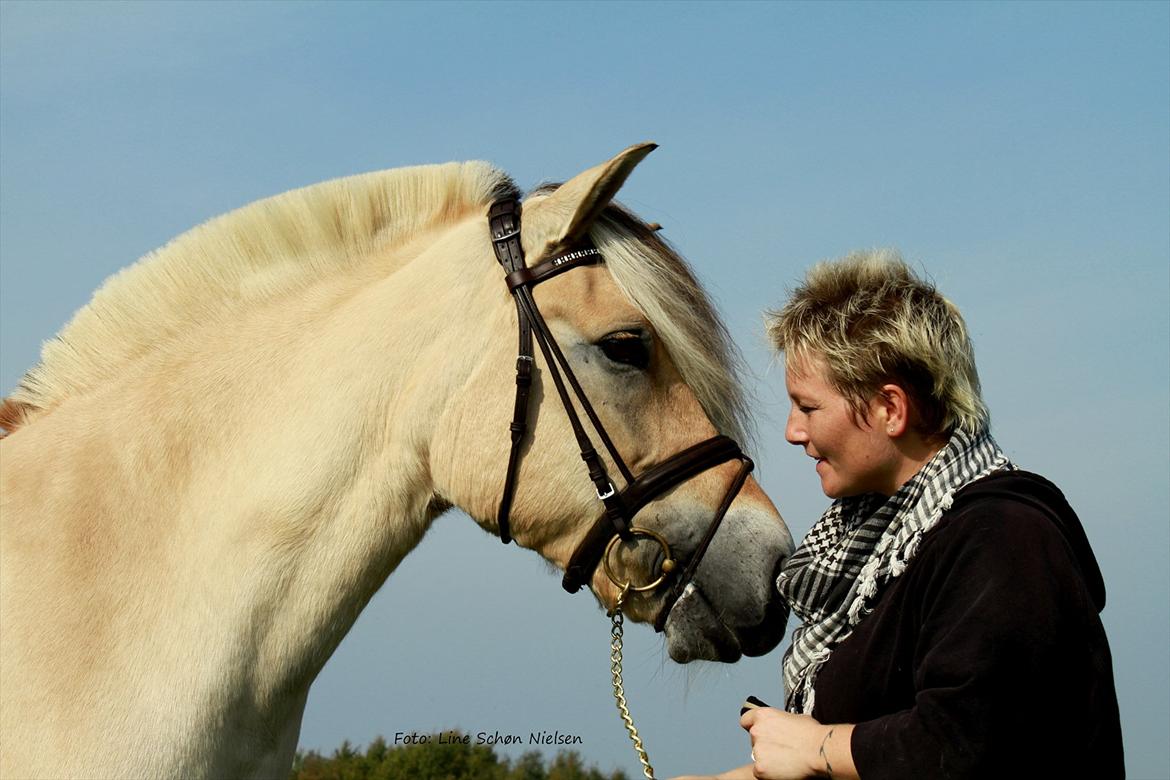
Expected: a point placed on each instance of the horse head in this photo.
(656, 365)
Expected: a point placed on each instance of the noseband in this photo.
(620, 506)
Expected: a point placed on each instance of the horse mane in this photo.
(283, 243)
(255, 253)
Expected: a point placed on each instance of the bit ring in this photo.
(668, 563)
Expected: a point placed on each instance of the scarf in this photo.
(859, 546)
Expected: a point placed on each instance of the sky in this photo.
(1017, 153)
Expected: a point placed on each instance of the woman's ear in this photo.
(893, 408)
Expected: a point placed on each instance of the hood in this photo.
(1038, 492)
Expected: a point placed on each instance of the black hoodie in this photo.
(987, 657)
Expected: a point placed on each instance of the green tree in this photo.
(529, 766)
(568, 765)
(431, 759)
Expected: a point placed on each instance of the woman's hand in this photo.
(786, 746)
(791, 747)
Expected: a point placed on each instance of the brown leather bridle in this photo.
(620, 506)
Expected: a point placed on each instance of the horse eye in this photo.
(627, 348)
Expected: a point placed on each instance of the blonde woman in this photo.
(949, 601)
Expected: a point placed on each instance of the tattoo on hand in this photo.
(825, 757)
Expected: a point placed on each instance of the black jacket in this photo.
(987, 657)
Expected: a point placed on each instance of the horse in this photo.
(223, 455)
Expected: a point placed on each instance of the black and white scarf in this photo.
(859, 545)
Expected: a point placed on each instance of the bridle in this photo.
(616, 524)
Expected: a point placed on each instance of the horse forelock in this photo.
(662, 285)
(250, 255)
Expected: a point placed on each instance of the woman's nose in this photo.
(793, 431)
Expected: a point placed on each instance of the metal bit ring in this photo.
(667, 562)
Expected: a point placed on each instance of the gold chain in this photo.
(615, 657)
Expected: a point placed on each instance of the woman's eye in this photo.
(626, 348)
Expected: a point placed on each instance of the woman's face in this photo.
(853, 455)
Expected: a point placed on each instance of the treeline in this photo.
(433, 761)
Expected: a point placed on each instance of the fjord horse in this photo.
(222, 457)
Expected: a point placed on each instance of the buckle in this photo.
(609, 493)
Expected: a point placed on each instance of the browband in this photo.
(553, 266)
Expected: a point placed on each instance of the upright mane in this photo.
(249, 255)
(282, 243)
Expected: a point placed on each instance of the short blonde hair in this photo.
(873, 321)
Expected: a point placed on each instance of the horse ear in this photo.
(568, 213)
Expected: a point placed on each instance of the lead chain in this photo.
(615, 657)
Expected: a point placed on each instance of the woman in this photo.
(949, 601)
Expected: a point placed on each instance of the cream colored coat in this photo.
(228, 451)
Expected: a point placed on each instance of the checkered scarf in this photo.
(859, 545)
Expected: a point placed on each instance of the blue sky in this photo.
(1018, 153)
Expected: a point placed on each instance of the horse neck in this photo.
(254, 543)
(328, 454)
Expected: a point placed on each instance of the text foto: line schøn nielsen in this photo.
(486, 738)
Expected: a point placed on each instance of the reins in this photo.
(615, 525)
